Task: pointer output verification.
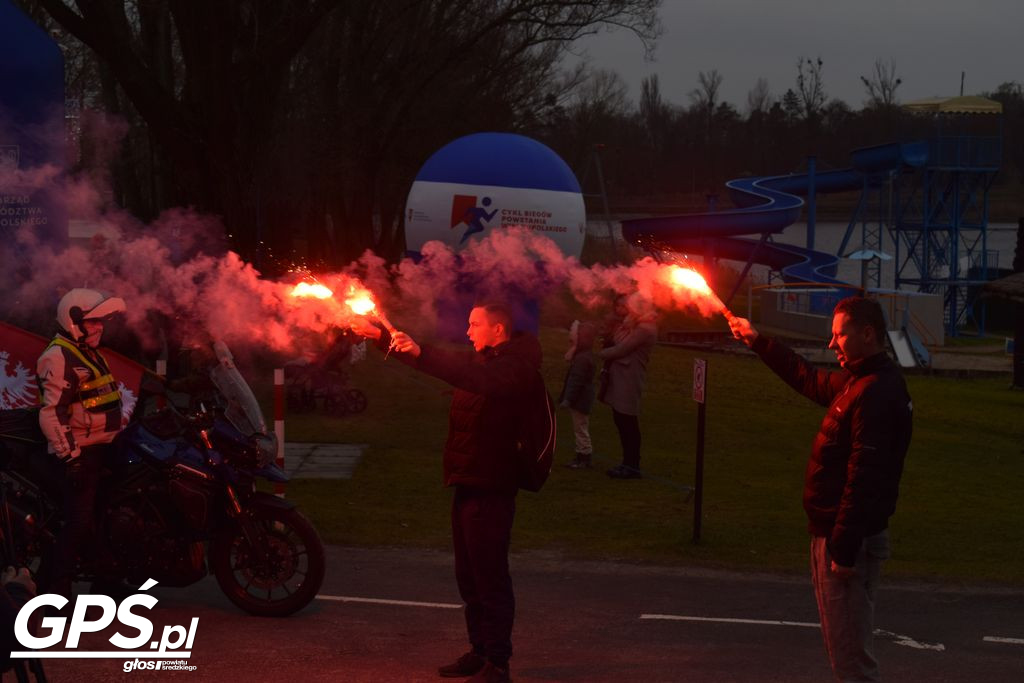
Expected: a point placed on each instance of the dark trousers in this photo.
(481, 531)
(629, 436)
(77, 491)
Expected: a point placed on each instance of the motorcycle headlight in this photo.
(266, 449)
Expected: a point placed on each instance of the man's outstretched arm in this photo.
(818, 385)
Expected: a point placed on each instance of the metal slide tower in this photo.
(939, 214)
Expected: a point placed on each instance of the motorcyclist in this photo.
(80, 415)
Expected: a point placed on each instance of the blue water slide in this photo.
(766, 206)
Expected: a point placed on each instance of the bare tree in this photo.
(882, 84)
(655, 114)
(705, 97)
(810, 87)
(651, 103)
(835, 115)
(603, 94)
(791, 105)
(1008, 92)
(214, 82)
(759, 98)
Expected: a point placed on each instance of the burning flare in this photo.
(312, 289)
(360, 300)
(690, 279)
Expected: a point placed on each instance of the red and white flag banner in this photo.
(19, 350)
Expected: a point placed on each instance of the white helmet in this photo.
(79, 305)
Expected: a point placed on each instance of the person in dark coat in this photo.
(853, 474)
(578, 389)
(491, 386)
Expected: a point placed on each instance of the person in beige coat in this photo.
(627, 350)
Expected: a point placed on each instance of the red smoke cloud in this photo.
(225, 297)
(168, 281)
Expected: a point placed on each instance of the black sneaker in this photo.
(491, 673)
(580, 462)
(624, 472)
(466, 665)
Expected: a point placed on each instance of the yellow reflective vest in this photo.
(81, 404)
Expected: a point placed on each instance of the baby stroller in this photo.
(324, 381)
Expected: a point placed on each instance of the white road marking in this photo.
(896, 638)
(382, 601)
(724, 620)
(907, 641)
(1000, 639)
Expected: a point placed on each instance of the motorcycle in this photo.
(180, 500)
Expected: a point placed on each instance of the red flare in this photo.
(360, 300)
(695, 282)
(311, 289)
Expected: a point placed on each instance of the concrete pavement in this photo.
(321, 460)
(393, 615)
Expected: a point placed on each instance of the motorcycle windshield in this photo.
(243, 412)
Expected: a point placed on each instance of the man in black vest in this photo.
(853, 475)
(491, 386)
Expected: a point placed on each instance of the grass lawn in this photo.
(958, 519)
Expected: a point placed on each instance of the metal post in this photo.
(279, 424)
(698, 496)
(161, 370)
(700, 380)
(604, 201)
(750, 299)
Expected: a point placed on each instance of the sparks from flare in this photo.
(695, 282)
(359, 300)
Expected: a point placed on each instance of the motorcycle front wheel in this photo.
(278, 578)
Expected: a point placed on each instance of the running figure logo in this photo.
(465, 211)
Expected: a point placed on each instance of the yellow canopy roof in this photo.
(965, 104)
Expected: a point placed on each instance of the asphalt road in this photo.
(577, 621)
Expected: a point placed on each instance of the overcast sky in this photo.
(931, 41)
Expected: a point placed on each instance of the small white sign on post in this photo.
(699, 374)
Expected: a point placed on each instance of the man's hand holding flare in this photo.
(400, 341)
(362, 326)
(405, 344)
(742, 329)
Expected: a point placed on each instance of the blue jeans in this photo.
(847, 607)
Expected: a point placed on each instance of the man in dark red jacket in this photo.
(853, 475)
(491, 385)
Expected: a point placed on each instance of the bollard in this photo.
(700, 381)
(161, 370)
(279, 423)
